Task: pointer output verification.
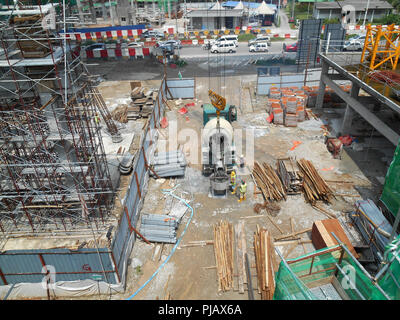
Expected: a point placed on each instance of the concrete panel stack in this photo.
(159, 228)
(169, 164)
(291, 106)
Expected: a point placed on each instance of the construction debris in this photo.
(271, 207)
(223, 250)
(314, 186)
(120, 114)
(263, 251)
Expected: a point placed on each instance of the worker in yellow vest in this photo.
(97, 118)
(242, 190)
(233, 182)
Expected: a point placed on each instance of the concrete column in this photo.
(104, 10)
(322, 86)
(81, 16)
(349, 114)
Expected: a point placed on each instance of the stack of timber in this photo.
(314, 186)
(142, 103)
(240, 255)
(290, 179)
(263, 251)
(268, 182)
(223, 250)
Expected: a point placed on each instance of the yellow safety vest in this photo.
(243, 188)
(233, 179)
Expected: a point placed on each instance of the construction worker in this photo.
(233, 182)
(242, 189)
(97, 118)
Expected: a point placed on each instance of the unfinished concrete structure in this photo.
(52, 154)
(332, 71)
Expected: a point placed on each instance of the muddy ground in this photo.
(190, 272)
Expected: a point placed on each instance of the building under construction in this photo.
(68, 227)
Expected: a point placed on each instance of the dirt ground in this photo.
(190, 272)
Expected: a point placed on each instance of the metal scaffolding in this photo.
(52, 158)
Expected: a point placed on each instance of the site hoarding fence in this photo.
(295, 277)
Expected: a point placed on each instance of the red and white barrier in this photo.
(131, 33)
(116, 53)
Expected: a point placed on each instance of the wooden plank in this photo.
(239, 258)
(293, 234)
(322, 237)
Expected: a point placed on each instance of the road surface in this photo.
(241, 51)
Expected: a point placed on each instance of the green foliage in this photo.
(245, 37)
(392, 18)
(395, 4)
(348, 36)
(277, 39)
(333, 20)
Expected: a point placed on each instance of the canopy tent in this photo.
(239, 6)
(217, 6)
(264, 9)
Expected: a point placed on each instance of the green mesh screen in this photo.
(319, 267)
(391, 190)
(392, 275)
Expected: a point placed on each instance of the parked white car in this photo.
(353, 45)
(260, 39)
(224, 47)
(132, 44)
(230, 38)
(259, 47)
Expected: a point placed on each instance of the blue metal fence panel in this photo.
(25, 265)
(290, 80)
(182, 88)
(122, 235)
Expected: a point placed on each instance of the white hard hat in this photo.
(241, 156)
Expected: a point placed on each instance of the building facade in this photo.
(353, 9)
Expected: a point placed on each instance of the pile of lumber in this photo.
(263, 251)
(223, 250)
(142, 103)
(268, 182)
(241, 250)
(290, 179)
(314, 186)
(120, 114)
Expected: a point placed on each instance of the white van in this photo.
(232, 38)
(223, 47)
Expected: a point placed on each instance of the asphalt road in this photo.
(241, 50)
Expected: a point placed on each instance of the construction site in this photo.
(217, 179)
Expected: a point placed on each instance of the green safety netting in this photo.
(391, 190)
(294, 279)
(390, 281)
